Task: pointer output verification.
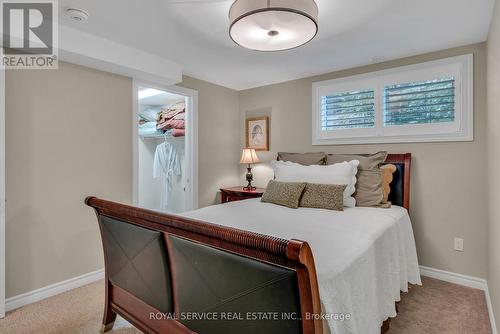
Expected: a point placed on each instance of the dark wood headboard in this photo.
(400, 185)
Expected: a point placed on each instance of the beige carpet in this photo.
(440, 307)
(436, 307)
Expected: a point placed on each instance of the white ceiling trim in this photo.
(85, 49)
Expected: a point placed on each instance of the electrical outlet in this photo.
(459, 244)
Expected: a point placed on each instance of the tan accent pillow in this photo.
(306, 159)
(387, 172)
(369, 190)
(283, 193)
(323, 196)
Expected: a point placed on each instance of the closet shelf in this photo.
(160, 136)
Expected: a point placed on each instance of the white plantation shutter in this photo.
(350, 110)
(427, 102)
(420, 102)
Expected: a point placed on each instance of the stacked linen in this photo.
(148, 129)
(147, 122)
(173, 117)
(149, 114)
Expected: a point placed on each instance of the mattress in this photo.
(364, 256)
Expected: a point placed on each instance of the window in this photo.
(348, 110)
(420, 103)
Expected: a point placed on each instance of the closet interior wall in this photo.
(150, 187)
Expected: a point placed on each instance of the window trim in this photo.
(462, 129)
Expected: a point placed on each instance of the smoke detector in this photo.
(76, 14)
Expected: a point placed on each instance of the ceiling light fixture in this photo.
(273, 25)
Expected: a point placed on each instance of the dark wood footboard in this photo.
(169, 274)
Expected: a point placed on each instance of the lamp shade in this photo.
(273, 25)
(249, 156)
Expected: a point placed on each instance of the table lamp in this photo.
(249, 157)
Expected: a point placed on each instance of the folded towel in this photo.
(172, 117)
(171, 124)
(171, 111)
(149, 130)
(150, 114)
(178, 132)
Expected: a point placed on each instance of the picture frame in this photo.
(257, 133)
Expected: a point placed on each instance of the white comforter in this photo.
(364, 256)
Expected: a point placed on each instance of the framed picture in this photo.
(257, 133)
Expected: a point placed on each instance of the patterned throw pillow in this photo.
(323, 196)
(283, 193)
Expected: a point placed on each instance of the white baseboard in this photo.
(464, 280)
(490, 311)
(52, 290)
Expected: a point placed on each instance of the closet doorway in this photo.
(165, 147)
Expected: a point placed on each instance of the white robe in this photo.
(166, 165)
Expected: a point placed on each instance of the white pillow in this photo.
(341, 173)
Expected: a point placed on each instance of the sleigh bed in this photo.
(210, 271)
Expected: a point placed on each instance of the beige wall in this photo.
(67, 136)
(493, 129)
(448, 183)
(218, 133)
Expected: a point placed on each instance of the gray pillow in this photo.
(283, 193)
(306, 159)
(369, 190)
(323, 196)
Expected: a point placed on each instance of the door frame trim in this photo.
(2, 192)
(191, 140)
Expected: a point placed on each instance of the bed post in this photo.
(308, 285)
(406, 195)
(404, 161)
(109, 316)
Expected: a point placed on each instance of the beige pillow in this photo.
(387, 177)
(283, 193)
(306, 159)
(369, 190)
(323, 196)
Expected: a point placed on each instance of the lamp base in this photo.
(249, 177)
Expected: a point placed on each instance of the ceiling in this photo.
(160, 98)
(351, 33)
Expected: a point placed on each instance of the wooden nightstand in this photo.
(238, 194)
